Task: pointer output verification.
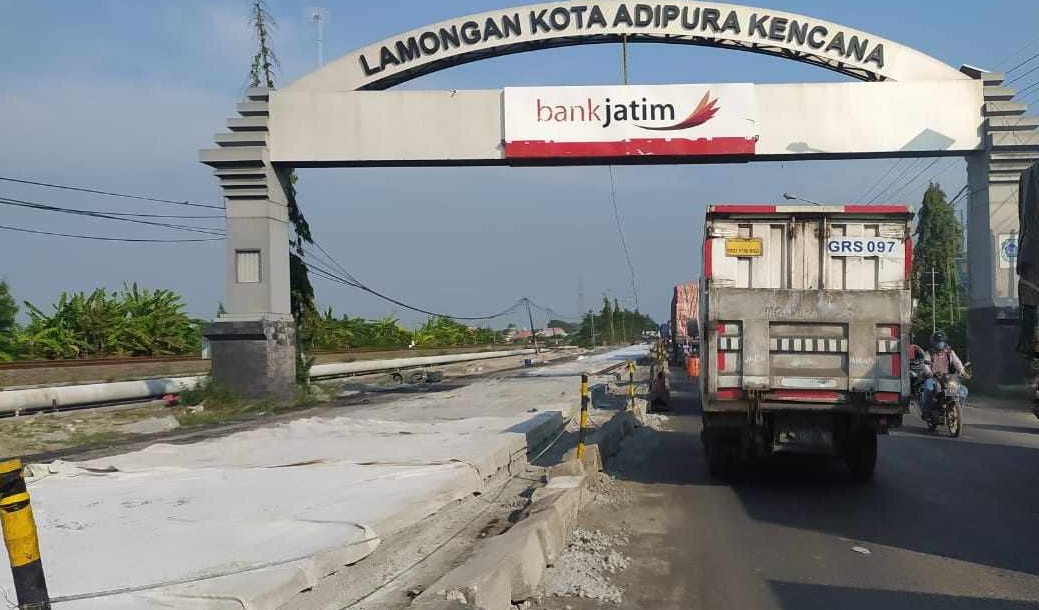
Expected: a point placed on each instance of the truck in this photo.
(805, 318)
(684, 325)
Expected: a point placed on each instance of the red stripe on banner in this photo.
(708, 258)
(541, 149)
(743, 209)
(876, 209)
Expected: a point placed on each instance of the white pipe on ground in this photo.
(375, 366)
(13, 401)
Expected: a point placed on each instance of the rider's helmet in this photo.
(939, 341)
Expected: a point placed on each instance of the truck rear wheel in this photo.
(860, 454)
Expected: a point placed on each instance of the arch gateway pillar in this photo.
(909, 105)
(1010, 147)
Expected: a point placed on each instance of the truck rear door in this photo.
(808, 303)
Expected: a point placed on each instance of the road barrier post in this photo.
(585, 399)
(23, 546)
(631, 384)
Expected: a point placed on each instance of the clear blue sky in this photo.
(120, 95)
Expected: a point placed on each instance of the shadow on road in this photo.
(801, 596)
(1011, 429)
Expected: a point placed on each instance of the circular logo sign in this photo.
(1008, 249)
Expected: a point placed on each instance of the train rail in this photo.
(329, 356)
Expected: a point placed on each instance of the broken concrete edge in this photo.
(508, 569)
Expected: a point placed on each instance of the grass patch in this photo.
(221, 404)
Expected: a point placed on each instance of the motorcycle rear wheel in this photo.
(954, 420)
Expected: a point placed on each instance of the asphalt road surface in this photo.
(946, 523)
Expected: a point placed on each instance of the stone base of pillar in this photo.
(255, 358)
(992, 334)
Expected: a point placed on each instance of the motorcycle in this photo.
(947, 409)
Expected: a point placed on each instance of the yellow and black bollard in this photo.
(586, 398)
(23, 546)
(631, 383)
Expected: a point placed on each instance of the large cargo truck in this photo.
(685, 333)
(805, 318)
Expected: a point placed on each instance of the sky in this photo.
(120, 95)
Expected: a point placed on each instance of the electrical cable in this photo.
(1022, 64)
(109, 193)
(624, 243)
(119, 239)
(914, 179)
(883, 192)
(881, 179)
(336, 278)
(93, 214)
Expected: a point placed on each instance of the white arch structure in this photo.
(909, 104)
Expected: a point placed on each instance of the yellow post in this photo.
(586, 397)
(23, 546)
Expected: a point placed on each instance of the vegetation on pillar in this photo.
(8, 315)
(937, 253)
(304, 311)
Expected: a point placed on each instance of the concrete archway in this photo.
(314, 122)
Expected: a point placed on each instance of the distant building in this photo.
(552, 332)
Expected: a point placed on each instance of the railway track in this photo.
(322, 356)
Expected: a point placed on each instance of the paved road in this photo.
(947, 523)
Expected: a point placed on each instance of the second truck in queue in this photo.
(805, 318)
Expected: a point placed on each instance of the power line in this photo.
(109, 193)
(1022, 75)
(329, 275)
(1022, 64)
(881, 179)
(914, 179)
(624, 243)
(92, 214)
(1019, 51)
(896, 179)
(119, 239)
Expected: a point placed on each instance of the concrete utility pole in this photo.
(934, 303)
(591, 316)
(533, 333)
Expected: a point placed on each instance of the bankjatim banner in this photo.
(669, 120)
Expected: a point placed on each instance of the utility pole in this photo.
(533, 334)
(934, 303)
(591, 316)
(318, 16)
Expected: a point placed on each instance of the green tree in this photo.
(304, 310)
(8, 326)
(939, 245)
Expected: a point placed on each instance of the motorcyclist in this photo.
(941, 360)
(918, 367)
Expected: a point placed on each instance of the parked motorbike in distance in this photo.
(948, 404)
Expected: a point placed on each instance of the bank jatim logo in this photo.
(640, 113)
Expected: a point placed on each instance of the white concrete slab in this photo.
(257, 516)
